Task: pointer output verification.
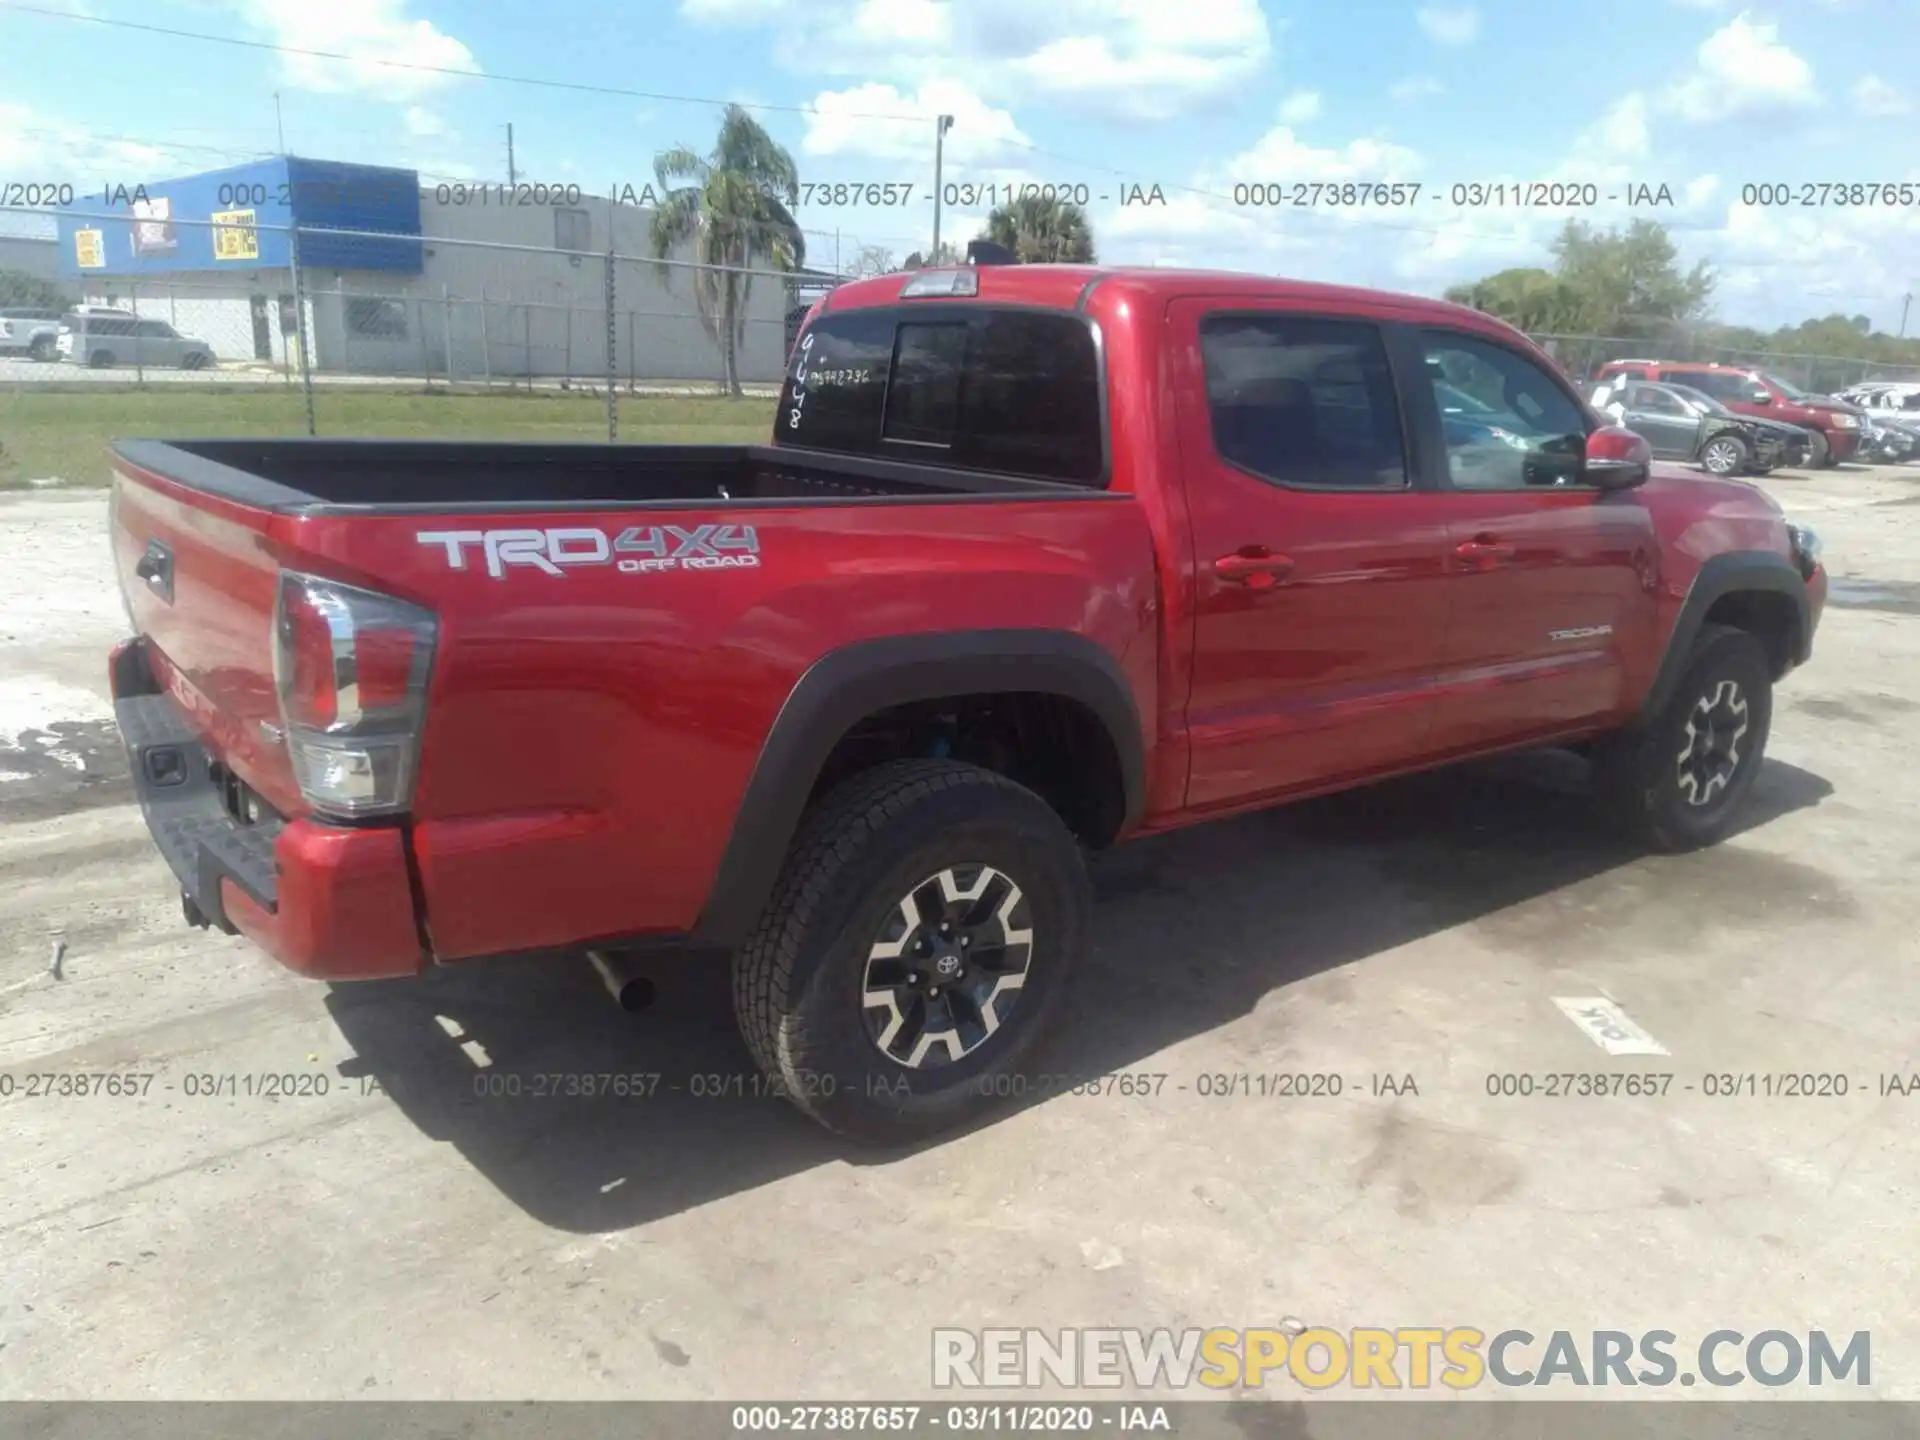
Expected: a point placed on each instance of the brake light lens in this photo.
(351, 667)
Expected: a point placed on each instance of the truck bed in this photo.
(323, 476)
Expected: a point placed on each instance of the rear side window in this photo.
(1011, 391)
(1303, 402)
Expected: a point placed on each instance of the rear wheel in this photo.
(100, 360)
(1726, 455)
(1677, 782)
(920, 939)
(44, 348)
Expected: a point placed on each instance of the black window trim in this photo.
(902, 310)
(1413, 332)
(1411, 460)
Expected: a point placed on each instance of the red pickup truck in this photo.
(1039, 559)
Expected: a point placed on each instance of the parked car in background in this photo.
(30, 332)
(1892, 412)
(1834, 424)
(1685, 424)
(1890, 442)
(99, 339)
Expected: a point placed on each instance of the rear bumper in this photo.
(327, 901)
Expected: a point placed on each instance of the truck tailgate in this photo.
(199, 574)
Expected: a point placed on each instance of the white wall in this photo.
(478, 311)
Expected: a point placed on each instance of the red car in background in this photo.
(1834, 424)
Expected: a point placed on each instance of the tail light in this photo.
(351, 668)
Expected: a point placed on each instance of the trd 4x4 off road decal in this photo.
(636, 550)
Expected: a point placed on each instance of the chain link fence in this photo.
(555, 323)
(1581, 355)
(445, 335)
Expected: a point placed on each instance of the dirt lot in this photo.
(402, 1236)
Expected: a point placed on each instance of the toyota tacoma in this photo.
(1037, 560)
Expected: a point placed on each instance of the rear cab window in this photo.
(975, 387)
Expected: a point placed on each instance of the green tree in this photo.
(31, 292)
(734, 207)
(1613, 282)
(1533, 299)
(947, 255)
(873, 260)
(1042, 229)
(1629, 283)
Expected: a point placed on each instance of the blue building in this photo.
(214, 254)
(455, 281)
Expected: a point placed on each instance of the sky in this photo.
(1160, 114)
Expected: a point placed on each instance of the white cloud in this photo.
(1446, 26)
(1742, 67)
(1300, 107)
(422, 123)
(1280, 155)
(1143, 59)
(1877, 100)
(369, 31)
(39, 143)
(1621, 133)
(1415, 87)
(842, 123)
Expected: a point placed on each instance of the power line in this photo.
(579, 86)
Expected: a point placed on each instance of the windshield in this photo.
(1792, 392)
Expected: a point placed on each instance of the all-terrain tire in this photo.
(804, 985)
(1677, 782)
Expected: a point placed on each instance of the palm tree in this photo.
(1041, 229)
(734, 206)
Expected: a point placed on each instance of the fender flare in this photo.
(1720, 576)
(846, 685)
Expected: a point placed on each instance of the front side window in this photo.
(1014, 392)
(1530, 434)
(1656, 402)
(1304, 402)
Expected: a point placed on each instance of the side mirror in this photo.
(1616, 459)
(1760, 397)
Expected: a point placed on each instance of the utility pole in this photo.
(279, 128)
(513, 175)
(944, 124)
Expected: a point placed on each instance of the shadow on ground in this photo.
(1192, 931)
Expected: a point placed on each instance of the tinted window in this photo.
(923, 400)
(1533, 433)
(1655, 401)
(1304, 402)
(153, 330)
(1013, 391)
(1721, 384)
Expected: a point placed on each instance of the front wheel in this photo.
(920, 939)
(1726, 455)
(1677, 783)
(1820, 453)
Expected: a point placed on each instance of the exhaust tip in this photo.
(631, 990)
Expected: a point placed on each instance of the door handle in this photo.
(156, 568)
(1253, 566)
(1484, 551)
